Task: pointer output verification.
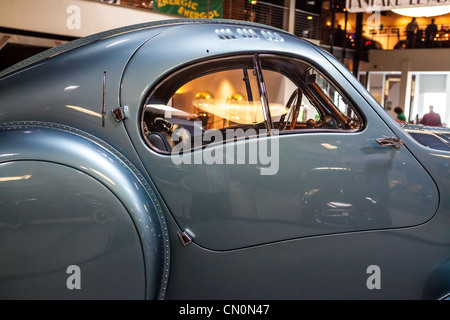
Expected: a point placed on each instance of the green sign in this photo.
(204, 9)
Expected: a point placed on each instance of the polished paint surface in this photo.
(53, 217)
(76, 177)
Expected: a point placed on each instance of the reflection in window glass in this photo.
(222, 102)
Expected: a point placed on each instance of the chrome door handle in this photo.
(394, 142)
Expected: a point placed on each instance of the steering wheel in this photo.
(162, 124)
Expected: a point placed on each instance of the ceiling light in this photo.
(423, 11)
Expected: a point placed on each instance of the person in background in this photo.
(432, 119)
(411, 29)
(339, 37)
(400, 115)
(430, 33)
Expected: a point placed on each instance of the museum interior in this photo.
(398, 69)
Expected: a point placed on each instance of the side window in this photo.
(289, 108)
(333, 95)
(202, 103)
(217, 97)
(301, 98)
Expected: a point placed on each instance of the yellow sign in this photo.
(203, 9)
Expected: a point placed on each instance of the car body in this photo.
(211, 159)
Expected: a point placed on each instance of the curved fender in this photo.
(67, 165)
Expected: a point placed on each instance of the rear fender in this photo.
(76, 154)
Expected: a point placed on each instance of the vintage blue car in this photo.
(211, 159)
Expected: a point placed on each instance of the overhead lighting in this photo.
(423, 11)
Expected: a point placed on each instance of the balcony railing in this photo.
(394, 37)
(307, 24)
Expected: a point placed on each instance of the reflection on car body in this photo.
(432, 137)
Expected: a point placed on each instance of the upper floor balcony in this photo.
(275, 13)
(385, 30)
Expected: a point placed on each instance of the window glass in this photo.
(302, 98)
(332, 94)
(210, 98)
(289, 109)
(215, 100)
